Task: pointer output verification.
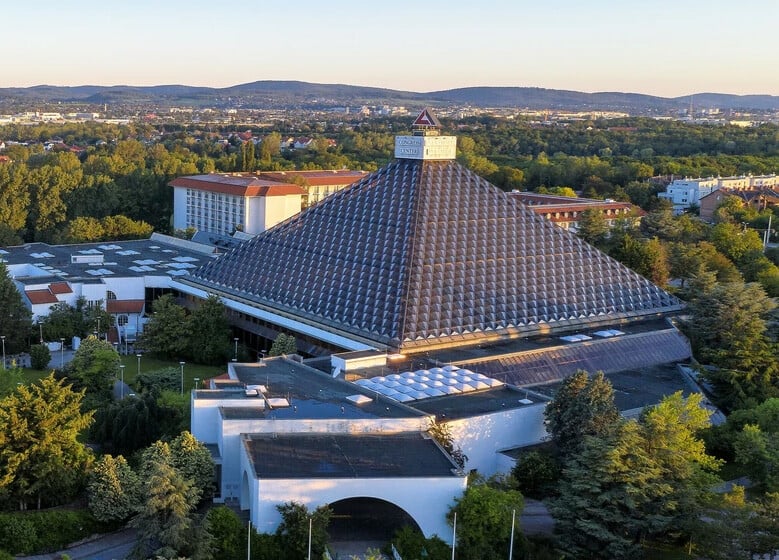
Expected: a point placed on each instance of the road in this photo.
(114, 546)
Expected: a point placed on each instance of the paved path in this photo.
(113, 546)
(535, 518)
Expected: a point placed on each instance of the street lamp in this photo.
(3, 339)
(197, 383)
(121, 381)
(40, 328)
(262, 359)
(62, 353)
(182, 376)
(235, 356)
(139, 364)
(98, 328)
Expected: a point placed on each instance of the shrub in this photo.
(44, 531)
(535, 474)
(40, 356)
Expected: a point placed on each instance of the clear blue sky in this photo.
(661, 47)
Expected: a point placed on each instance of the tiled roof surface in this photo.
(422, 253)
(40, 296)
(124, 306)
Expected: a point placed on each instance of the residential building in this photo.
(566, 211)
(684, 193)
(224, 203)
(317, 184)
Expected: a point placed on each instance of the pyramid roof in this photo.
(425, 254)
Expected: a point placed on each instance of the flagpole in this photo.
(454, 534)
(511, 543)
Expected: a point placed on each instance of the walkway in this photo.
(113, 546)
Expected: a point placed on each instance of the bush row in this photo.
(44, 531)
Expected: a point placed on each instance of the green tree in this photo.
(229, 534)
(14, 316)
(194, 462)
(645, 256)
(94, 367)
(114, 490)
(593, 227)
(758, 451)
(40, 356)
(209, 339)
(727, 328)
(270, 147)
(293, 531)
(14, 196)
(10, 378)
(535, 473)
(165, 521)
(167, 332)
(608, 489)
(583, 406)
(247, 156)
(284, 344)
(443, 435)
(41, 459)
(484, 521)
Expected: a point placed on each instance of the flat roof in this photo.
(464, 405)
(636, 388)
(347, 456)
(52, 264)
(311, 394)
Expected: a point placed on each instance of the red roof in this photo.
(40, 296)
(60, 288)
(318, 178)
(237, 184)
(124, 306)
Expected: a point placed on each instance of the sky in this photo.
(659, 47)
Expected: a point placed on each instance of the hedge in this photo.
(37, 532)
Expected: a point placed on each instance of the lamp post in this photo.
(197, 383)
(40, 329)
(3, 339)
(62, 353)
(182, 376)
(139, 364)
(262, 359)
(235, 356)
(121, 381)
(98, 328)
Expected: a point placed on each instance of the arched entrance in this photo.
(367, 519)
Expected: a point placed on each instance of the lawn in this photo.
(191, 371)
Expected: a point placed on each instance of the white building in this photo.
(684, 193)
(122, 277)
(227, 202)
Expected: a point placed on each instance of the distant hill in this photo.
(274, 93)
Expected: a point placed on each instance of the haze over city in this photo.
(663, 48)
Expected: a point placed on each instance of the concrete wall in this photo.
(179, 208)
(481, 437)
(229, 435)
(425, 499)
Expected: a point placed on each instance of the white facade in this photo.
(683, 193)
(426, 147)
(427, 500)
(223, 213)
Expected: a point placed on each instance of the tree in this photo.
(443, 435)
(94, 367)
(284, 344)
(484, 521)
(114, 489)
(167, 332)
(229, 533)
(647, 257)
(40, 356)
(14, 316)
(270, 147)
(583, 406)
(41, 459)
(293, 531)
(607, 496)
(671, 432)
(758, 451)
(247, 156)
(536, 473)
(165, 522)
(209, 340)
(727, 328)
(194, 462)
(593, 227)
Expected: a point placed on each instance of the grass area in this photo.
(147, 363)
(32, 375)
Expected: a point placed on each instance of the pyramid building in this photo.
(425, 254)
